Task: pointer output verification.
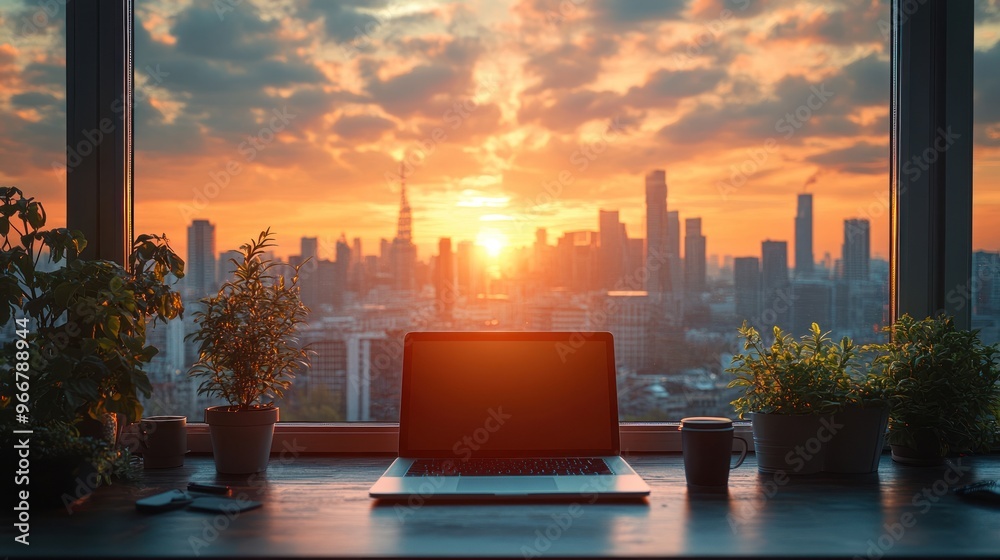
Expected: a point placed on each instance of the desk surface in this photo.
(318, 506)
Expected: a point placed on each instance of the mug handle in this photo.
(145, 428)
(743, 455)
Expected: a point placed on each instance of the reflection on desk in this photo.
(318, 506)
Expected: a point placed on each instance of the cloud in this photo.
(627, 13)
(240, 36)
(365, 128)
(34, 100)
(570, 65)
(428, 88)
(861, 158)
(344, 21)
(665, 87)
(737, 9)
(848, 22)
(567, 112)
(986, 100)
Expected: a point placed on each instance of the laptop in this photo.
(509, 415)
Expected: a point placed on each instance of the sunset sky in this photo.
(490, 101)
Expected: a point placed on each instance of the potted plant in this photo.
(80, 327)
(811, 409)
(248, 351)
(943, 389)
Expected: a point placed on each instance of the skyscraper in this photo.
(694, 257)
(201, 274)
(444, 283)
(746, 282)
(985, 283)
(776, 302)
(613, 249)
(225, 268)
(804, 260)
(404, 252)
(657, 265)
(856, 251)
(674, 263)
(674, 233)
(343, 266)
(309, 274)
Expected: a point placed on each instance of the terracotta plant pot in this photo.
(857, 446)
(241, 440)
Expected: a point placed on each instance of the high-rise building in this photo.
(746, 283)
(309, 274)
(309, 248)
(577, 257)
(814, 303)
(444, 283)
(613, 249)
(674, 233)
(542, 259)
(856, 251)
(674, 262)
(985, 283)
(804, 261)
(777, 297)
(200, 276)
(636, 263)
(657, 265)
(464, 270)
(342, 266)
(384, 256)
(404, 252)
(694, 257)
(224, 266)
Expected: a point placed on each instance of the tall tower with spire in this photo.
(403, 227)
(404, 252)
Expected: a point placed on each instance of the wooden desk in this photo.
(318, 506)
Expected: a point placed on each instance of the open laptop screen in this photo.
(508, 395)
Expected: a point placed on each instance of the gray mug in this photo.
(707, 444)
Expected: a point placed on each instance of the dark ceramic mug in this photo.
(707, 443)
(163, 441)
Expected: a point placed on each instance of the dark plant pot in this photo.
(241, 441)
(788, 442)
(857, 446)
(925, 452)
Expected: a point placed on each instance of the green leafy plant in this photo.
(813, 375)
(85, 319)
(247, 333)
(941, 381)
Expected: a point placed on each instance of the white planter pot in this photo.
(241, 441)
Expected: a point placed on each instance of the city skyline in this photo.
(605, 260)
(539, 122)
(850, 227)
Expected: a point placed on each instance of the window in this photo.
(984, 291)
(355, 74)
(33, 104)
(663, 172)
(33, 154)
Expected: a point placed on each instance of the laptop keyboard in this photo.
(555, 466)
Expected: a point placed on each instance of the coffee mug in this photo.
(162, 441)
(707, 444)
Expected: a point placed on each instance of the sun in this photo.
(492, 241)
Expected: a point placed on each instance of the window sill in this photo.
(314, 437)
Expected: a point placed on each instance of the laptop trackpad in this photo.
(506, 485)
